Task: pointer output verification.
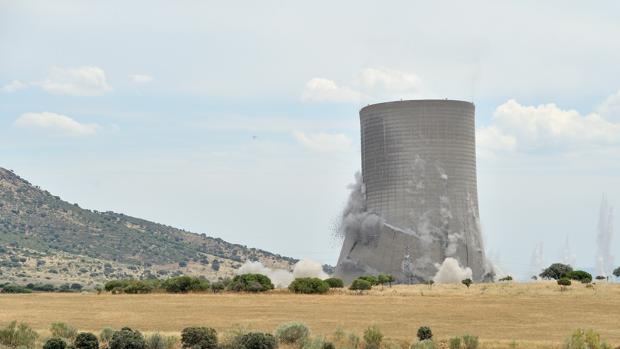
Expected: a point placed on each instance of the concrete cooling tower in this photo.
(416, 202)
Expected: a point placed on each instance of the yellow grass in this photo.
(536, 315)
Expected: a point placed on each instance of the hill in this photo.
(44, 238)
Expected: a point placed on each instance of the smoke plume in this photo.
(281, 278)
(450, 272)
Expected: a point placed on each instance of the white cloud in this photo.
(14, 86)
(324, 90)
(545, 127)
(81, 81)
(369, 85)
(610, 108)
(56, 122)
(141, 78)
(324, 141)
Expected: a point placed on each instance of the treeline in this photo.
(289, 335)
(29, 288)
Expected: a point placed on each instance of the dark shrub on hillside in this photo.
(184, 284)
(128, 286)
(335, 282)
(256, 340)
(15, 289)
(580, 275)
(556, 271)
(360, 285)
(127, 338)
(564, 282)
(199, 338)
(309, 286)
(55, 343)
(250, 283)
(425, 332)
(86, 340)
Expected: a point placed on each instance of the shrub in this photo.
(564, 282)
(424, 332)
(184, 284)
(328, 345)
(455, 343)
(309, 286)
(556, 271)
(617, 272)
(372, 279)
(467, 282)
(15, 289)
(582, 339)
(250, 283)
(470, 342)
(425, 344)
(218, 286)
(157, 341)
(383, 279)
(506, 278)
(55, 343)
(199, 338)
(86, 340)
(127, 338)
(62, 330)
(580, 275)
(600, 277)
(335, 283)
(15, 336)
(292, 333)
(373, 337)
(256, 340)
(360, 285)
(106, 336)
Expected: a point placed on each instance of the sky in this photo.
(240, 119)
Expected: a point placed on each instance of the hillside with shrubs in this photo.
(46, 239)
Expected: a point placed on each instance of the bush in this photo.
(372, 279)
(580, 275)
(506, 278)
(184, 284)
(360, 285)
(556, 271)
(425, 344)
(373, 337)
(616, 272)
(250, 283)
(127, 338)
(86, 340)
(335, 283)
(14, 335)
(256, 340)
(385, 279)
(199, 338)
(455, 343)
(467, 282)
(581, 339)
(15, 289)
(470, 342)
(157, 341)
(424, 332)
(106, 336)
(55, 343)
(309, 286)
(564, 282)
(292, 333)
(62, 330)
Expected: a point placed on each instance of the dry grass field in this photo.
(535, 315)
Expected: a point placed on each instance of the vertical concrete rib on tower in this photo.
(419, 183)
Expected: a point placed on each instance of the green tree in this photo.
(335, 282)
(309, 286)
(424, 332)
(127, 338)
(617, 272)
(556, 271)
(256, 340)
(86, 340)
(55, 343)
(250, 283)
(467, 282)
(580, 275)
(360, 285)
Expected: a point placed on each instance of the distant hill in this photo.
(43, 238)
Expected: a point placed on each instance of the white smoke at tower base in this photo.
(451, 272)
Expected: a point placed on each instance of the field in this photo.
(535, 315)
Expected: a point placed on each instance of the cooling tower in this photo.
(417, 202)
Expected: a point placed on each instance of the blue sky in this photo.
(240, 119)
